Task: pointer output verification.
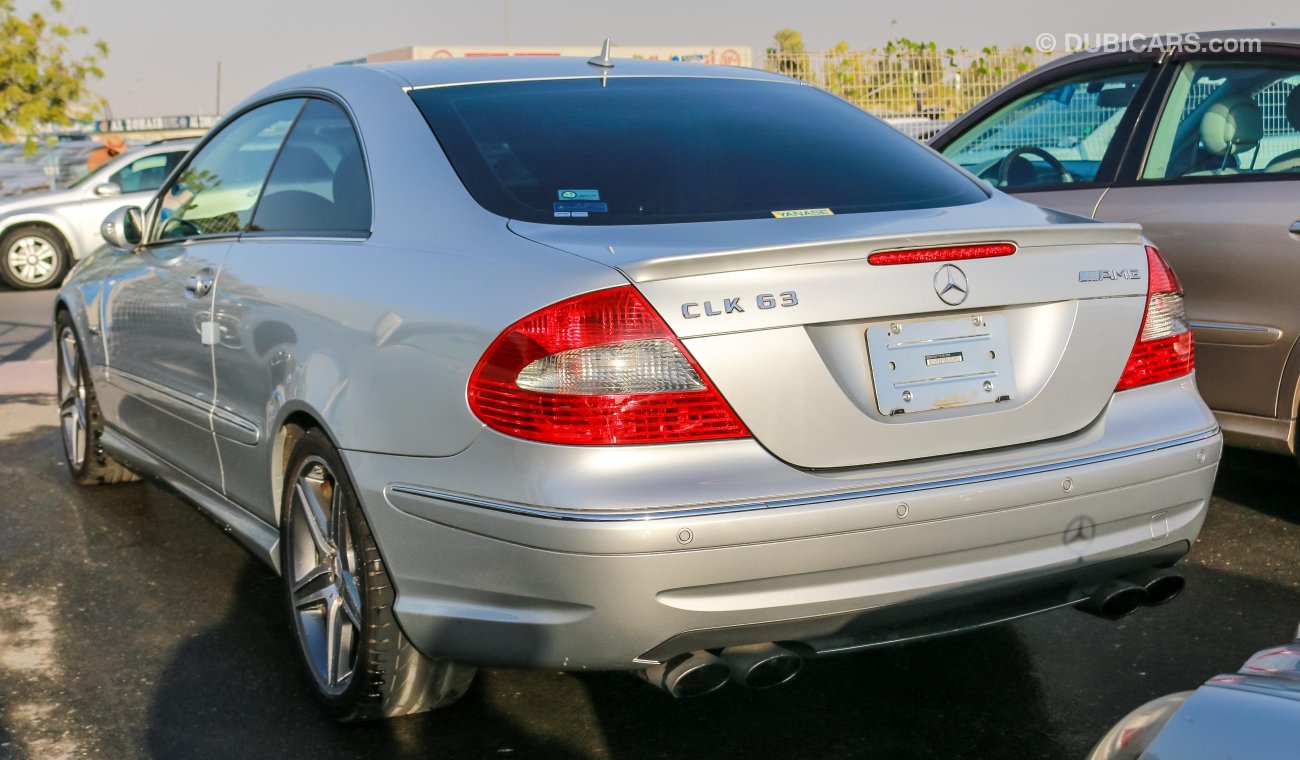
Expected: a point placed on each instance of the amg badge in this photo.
(1097, 275)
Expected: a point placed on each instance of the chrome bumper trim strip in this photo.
(669, 513)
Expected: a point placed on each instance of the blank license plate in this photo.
(940, 364)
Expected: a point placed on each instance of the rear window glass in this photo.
(678, 149)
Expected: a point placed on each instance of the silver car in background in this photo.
(1253, 713)
(691, 371)
(42, 235)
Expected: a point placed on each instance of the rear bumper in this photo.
(481, 583)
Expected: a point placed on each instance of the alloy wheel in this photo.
(72, 399)
(32, 260)
(322, 571)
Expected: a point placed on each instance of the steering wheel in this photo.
(1004, 169)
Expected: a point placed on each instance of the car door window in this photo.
(1055, 135)
(216, 192)
(318, 184)
(1227, 119)
(147, 173)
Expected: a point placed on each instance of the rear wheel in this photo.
(32, 257)
(340, 595)
(79, 417)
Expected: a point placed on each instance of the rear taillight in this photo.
(1163, 349)
(601, 368)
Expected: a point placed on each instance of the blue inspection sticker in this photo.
(579, 195)
(588, 206)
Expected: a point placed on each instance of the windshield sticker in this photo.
(585, 206)
(803, 212)
(579, 195)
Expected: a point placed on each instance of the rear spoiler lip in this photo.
(819, 252)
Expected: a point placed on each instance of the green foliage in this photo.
(41, 82)
(788, 41)
(789, 56)
(905, 77)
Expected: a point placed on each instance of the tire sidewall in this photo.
(314, 443)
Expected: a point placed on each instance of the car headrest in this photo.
(1293, 108)
(352, 193)
(1232, 125)
(300, 165)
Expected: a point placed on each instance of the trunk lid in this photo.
(835, 362)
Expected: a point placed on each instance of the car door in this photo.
(159, 306)
(1219, 193)
(132, 185)
(1056, 139)
(283, 289)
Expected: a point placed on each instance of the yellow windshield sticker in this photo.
(803, 212)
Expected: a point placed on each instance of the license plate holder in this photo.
(940, 364)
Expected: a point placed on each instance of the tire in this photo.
(80, 421)
(341, 599)
(33, 257)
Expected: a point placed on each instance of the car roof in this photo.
(1266, 36)
(453, 71)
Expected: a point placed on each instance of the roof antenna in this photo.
(603, 60)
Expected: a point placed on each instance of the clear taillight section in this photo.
(1164, 348)
(601, 368)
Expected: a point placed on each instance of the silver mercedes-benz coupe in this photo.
(686, 370)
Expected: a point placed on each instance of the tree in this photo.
(789, 56)
(42, 83)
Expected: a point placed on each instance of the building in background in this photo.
(726, 55)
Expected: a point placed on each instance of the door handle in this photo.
(199, 285)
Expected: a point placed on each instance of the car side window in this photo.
(1226, 119)
(318, 184)
(216, 192)
(1055, 135)
(147, 173)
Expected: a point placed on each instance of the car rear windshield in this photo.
(638, 150)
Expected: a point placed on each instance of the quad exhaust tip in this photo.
(690, 675)
(762, 666)
(1160, 585)
(1122, 596)
(754, 666)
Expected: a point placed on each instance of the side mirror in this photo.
(121, 229)
(108, 189)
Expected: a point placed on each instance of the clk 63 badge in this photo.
(762, 302)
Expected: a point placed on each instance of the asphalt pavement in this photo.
(131, 626)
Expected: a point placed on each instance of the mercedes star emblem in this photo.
(950, 285)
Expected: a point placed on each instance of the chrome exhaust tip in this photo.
(762, 666)
(690, 675)
(1160, 585)
(1115, 599)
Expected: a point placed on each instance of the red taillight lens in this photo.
(947, 253)
(1164, 348)
(601, 368)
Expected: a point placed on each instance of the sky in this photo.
(163, 57)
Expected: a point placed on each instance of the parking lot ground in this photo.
(131, 627)
(25, 325)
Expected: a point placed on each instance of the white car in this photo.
(42, 235)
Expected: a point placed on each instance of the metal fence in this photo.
(920, 83)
